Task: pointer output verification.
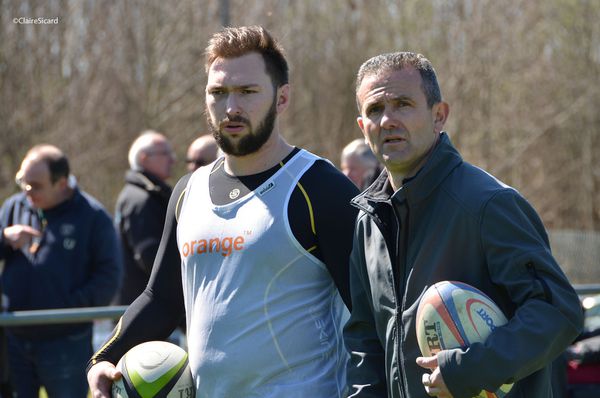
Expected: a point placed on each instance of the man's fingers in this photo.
(15, 232)
(99, 394)
(30, 230)
(432, 391)
(19, 235)
(100, 378)
(427, 362)
(434, 384)
(426, 379)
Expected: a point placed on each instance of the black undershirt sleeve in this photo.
(159, 309)
(330, 193)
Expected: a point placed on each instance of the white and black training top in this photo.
(264, 265)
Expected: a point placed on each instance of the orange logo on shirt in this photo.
(225, 246)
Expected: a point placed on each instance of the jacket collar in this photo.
(442, 160)
(147, 181)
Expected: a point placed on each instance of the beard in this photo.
(252, 141)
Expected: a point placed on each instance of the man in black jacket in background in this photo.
(141, 208)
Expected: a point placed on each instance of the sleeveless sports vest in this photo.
(263, 315)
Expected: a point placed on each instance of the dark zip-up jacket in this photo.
(139, 217)
(77, 262)
(453, 221)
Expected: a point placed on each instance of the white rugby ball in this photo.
(154, 369)
(455, 315)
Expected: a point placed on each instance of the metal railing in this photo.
(65, 315)
(587, 289)
(87, 314)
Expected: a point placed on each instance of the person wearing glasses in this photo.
(60, 250)
(202, 151)
(141, 208)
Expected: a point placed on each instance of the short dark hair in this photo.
(57, 161)
(397, 61)
(233, 42)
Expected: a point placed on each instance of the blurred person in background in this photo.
(359, 164)
(202, 151)
(60, 251)
(141, 208)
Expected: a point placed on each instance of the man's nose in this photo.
(389, 120)
(233, 105)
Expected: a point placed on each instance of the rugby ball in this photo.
(154, 369)
(455, 315)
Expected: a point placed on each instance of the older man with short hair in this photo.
(60, 251)
(141, 208)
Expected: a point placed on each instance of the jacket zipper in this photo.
(396, 255)
(399, 299)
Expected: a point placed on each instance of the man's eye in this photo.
(374, 109)
(248, 91)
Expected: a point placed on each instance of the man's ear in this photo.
(440, 115)
(143, 159)
(283, 98)
(63, 182)
(360, 122)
